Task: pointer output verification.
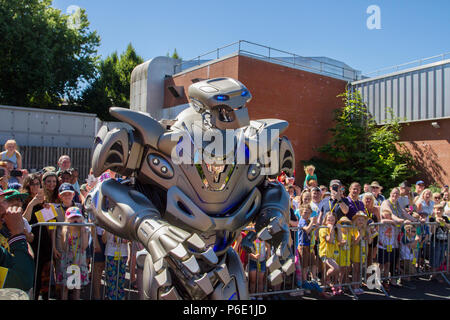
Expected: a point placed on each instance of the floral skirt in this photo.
(115, 277)
(66, 261)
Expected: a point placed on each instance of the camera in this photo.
(16, 173)
(335, 187)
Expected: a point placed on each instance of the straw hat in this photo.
(376, 184)
(360, 214)
(344, 220)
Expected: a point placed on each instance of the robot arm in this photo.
(271, 225)
(129, 214)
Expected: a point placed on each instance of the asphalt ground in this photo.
(419, 288)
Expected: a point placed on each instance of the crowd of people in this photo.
(333, 232)
(54, 195)
(339, 231)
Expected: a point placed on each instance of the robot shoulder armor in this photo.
(148, 128)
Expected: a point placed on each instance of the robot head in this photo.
(224, 99)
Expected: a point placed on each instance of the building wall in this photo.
(420, 93)
(45, 127)
(430, 148)
(222, 68)
(306, 100)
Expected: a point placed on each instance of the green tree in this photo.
(44, 55)
(360, 150)
(112, 85)
(174, 54)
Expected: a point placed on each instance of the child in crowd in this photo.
(11, 154)
(328, 249)
(305, 229)
(360, 247)
(257, 265)
(116, 256)
(310, 175)
(408, 250)
(282, 178)
(74, 241)
(438, 239)
(423, 231)
(344, 252)
(312, 183)
(387, 242)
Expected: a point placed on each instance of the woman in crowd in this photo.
(51, 185)
(392, 205)
(424, 202)
(437, 197)
(12, 154)
(42, 244)
(32, 186)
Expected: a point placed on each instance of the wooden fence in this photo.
(40, 157)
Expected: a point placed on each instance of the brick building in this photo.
(301, 90)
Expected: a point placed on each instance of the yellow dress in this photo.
(326, 249)
(356, 249)
(345, 250)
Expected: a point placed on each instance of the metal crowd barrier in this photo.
(305, 270)
(418, 261)
(53, 267)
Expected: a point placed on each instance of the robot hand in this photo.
(182, 251)
(271, 226)
(128, 214)
(248, 242)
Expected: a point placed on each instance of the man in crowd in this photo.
(406, 199)
(335, 203)
(16, 266)
(64, 163)
(420, 186)
(366, 188)
(376, 191)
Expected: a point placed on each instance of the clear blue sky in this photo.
(335, 28)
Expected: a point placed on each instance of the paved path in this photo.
(421, 289)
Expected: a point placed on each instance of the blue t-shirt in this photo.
(304, 239)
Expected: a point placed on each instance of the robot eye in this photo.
(221, 97)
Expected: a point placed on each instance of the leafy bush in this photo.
(361, 150)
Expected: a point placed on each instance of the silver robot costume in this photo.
(187, 215)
